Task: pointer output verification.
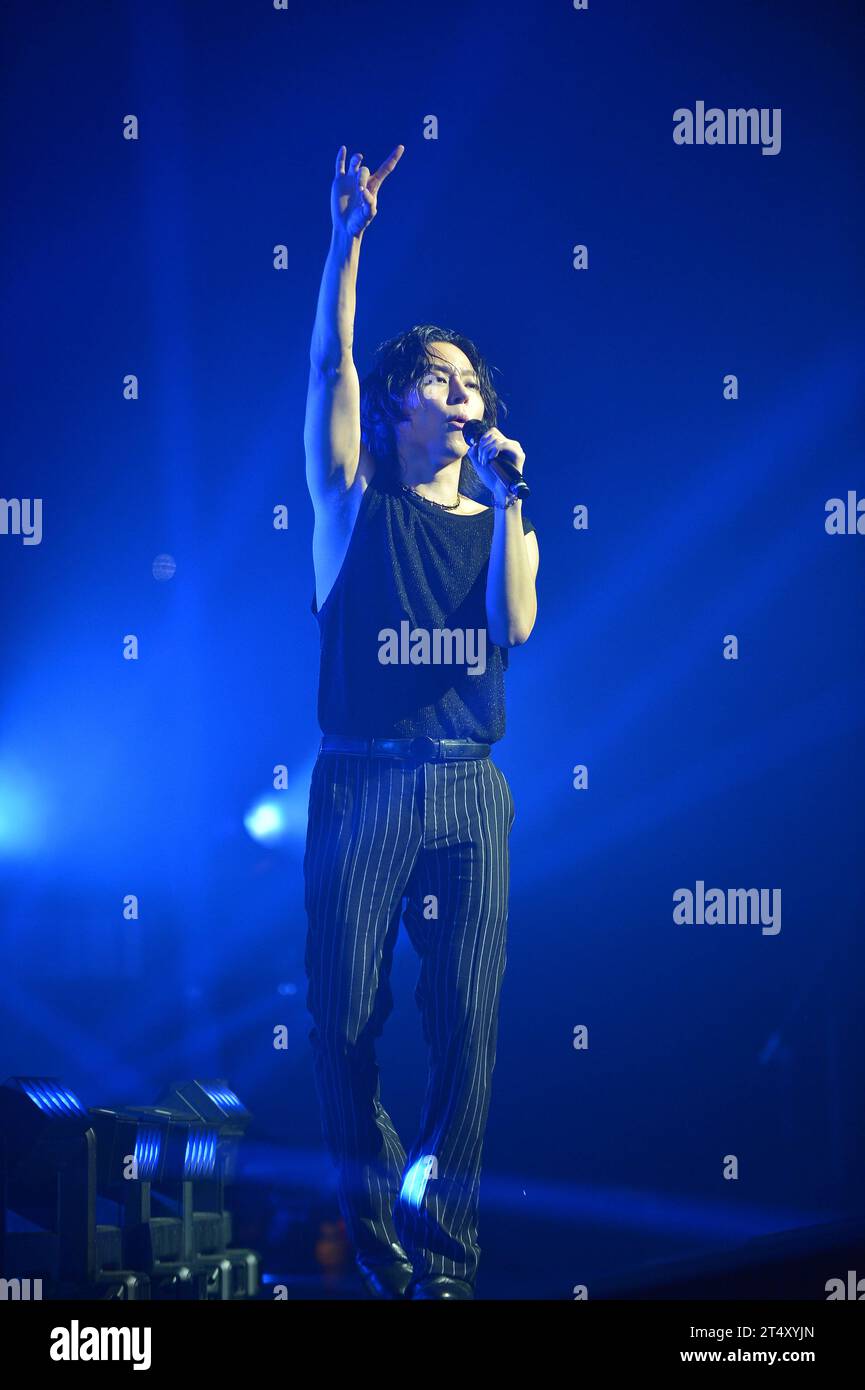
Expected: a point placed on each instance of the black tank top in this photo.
(412, 584)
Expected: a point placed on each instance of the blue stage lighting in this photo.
(223, 1097)
(22, 814)
(265, 822)
(148, 1148)
(200, 1157)
(281, 818)
(50, 1096)
(416, 1179)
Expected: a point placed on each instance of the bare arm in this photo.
(331, 432)
(512, 604)
(511, 597)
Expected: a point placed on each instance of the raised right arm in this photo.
(331, 432)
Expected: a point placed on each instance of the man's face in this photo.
(448, 389)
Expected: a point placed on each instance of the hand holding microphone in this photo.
(499, 461)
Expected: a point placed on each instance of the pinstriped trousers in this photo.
(427, 843)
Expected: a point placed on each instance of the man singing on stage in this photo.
(421, 589)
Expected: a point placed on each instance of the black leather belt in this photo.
(422, 749)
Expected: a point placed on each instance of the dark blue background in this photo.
(706, 518)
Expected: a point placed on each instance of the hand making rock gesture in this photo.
(354, 195)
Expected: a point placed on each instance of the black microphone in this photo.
(510, 476)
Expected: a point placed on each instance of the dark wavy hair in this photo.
(400, 364)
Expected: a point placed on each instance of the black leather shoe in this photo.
(386, 1278)
(439, 1286)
